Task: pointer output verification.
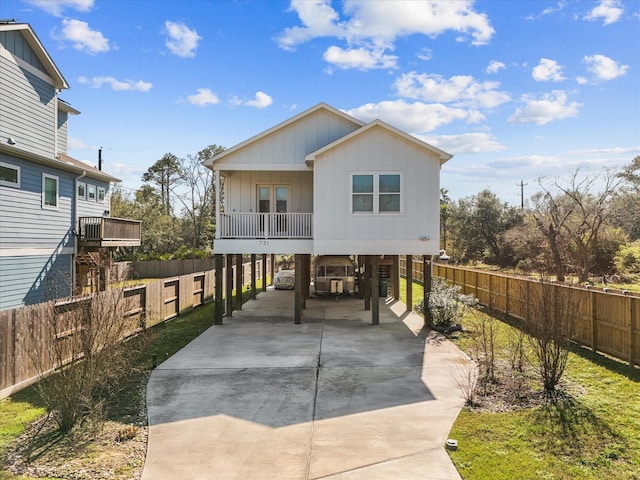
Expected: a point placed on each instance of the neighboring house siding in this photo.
(25, 280)
(377, 151)
(16, 44)
(25, 223)
(62, 131)
(242, 188)
(28, 104)
(88, 207)
(36, 244)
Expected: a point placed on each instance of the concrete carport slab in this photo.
(332, 398)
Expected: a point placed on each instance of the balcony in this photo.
(266, 225)
(109, 232)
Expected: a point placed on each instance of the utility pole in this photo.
(521, 185)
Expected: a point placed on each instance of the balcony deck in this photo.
(269, 226)
(109, 232)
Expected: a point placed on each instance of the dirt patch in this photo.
(114, 449)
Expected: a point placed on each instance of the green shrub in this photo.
(627, 258)
(447, 304)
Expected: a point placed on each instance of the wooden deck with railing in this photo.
(266, 225)
(109, 232)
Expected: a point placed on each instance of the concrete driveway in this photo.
(333, 398)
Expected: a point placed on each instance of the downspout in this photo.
(76, 224)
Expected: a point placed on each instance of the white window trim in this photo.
(57, 179)
(104, 194)
(376, 193)
(12, 167)
(81, 197)
(95, 192)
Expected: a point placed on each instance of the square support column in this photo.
(367, 282)
(239, 269)
(264, 272)
(228, 296)
(375, 289)
(297, 319)
(253, 276)
(409, 277)
(427, 278)
(218, 261)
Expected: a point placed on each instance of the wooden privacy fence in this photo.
(24, 331)
(606, 321)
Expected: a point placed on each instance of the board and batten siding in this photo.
(241, 189)
(28, 105)
(290, 145)
(377, 150)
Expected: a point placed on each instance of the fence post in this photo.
(594, 322)
(632, 333)
(506, 295)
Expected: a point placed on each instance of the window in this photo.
(101, 194)
(82, 190)
(376, 193)
(9, 175)
(91, 192)
(49, 191)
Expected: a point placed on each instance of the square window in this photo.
(9, 175)
(376, 193)
(91, 192)
(49, 191)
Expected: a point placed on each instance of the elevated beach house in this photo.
(56, 232)
(326, 183)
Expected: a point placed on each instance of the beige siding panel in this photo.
(292, 143)
(242, 189)
(378, 151)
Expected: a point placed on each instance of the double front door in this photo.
(274, 200)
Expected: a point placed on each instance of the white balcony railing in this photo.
(266, 225)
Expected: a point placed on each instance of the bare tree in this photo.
(77, 349)
(551, 326)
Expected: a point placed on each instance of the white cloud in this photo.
(203, 98)
(83, 38)
(551, 106)
(547, 70)
(76, 143)
(181, 40)
(414, 117)
(495, 66)
(609, 11)
(57, 7)
(465, 143)
(425, 54)
(370, 28)
(603, 67)
(462, 90)
(116, 85)
(260, 101)
(360, 58)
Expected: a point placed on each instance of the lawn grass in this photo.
(18, 411)
(593, 435)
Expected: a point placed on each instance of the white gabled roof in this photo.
(37, 47)
(280, 126)
(444, 156)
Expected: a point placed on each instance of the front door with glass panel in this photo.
(273, 199)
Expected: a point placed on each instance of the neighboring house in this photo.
(325, 183)
(55, 228)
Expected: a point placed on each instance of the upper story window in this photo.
(376, 193)
(50, 185)
(91, 192)
(9, 175)
(82, 191)
(101, 194)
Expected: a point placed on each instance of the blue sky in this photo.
(514, 89)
